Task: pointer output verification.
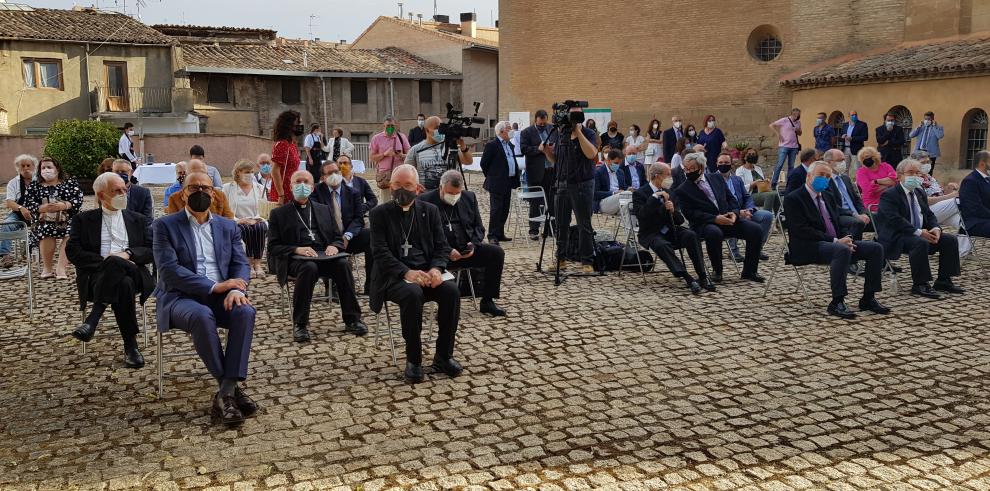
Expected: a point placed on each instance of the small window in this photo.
(764, 43)
(291, 91)
(426, 92)
(975, 125)
(42, 73)
(359, 91)
(360, 137)
(218, 89)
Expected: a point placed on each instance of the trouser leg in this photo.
(563, 216)
(713, 237)
(492, 259)
(837, 256)
(688, 239)
(124, 310)
(448, 299)
(340, 272)
(582, 195)
(306, 274)
(917, 251)
(948, 256)
(665, 251)
(198, 320)
(872, 253)
(409, 297)
(239, 323)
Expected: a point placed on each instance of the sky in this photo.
(335, 19)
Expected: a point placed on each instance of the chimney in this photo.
(469, 24)
(420, 18)
(442, 19)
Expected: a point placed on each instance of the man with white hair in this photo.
(498, 163)
(180, 176)
(110, 247)
(25, 165)
(852, 211)
(138, 197)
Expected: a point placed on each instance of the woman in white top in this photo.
(636, 141)
(654, 142)
(941, 200)
(243, 195)
(752, 176)
(338, 145)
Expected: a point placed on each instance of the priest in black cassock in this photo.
(461, 221)
(411, 254)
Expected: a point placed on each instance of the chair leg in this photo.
(161, 366)
(803, 287)
(474, 298)
(144, 327)
(773, 271)
(391, 340)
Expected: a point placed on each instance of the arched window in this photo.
(902, 117)
(4, 126)
(975, 133)
(764, 43)
(836, 120)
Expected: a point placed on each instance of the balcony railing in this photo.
(133, 99)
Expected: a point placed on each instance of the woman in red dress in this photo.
(285, 155)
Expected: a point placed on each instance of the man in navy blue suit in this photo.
(138, 198)
(855, 133)
(203, 283)
(974, 196)
(714, 214)
(356, 237)
(498, 163)
(763, 218)
(610, 181)
(799, 174)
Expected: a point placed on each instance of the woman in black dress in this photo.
(53, 200)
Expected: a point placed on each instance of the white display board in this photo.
(601, 115)
(521, 118)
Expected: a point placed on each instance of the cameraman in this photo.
(573, 155)
(427, 155)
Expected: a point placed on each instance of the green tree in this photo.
(80, 145)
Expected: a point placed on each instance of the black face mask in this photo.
(724, 168)
(199, 201)
(180, 179)
(298, 130)
(693, 175)
(403, 197)
(125, 177)
(752, 159)
(868, 162)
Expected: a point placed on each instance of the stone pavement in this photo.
(607, 383)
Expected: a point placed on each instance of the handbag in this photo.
(57, 217)
(265, 208)
(383, 178)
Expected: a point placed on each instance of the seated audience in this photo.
(873, 177)
(16, 214)
(906, 224)
(359, 184)
(243, 195)
(609, 184)
(180, 176)
(633, 171)
(797, 176)
(346, 210)
(763, 218)
(974, 196)
(754, 179)
(941, 200)
(853, 216)
(138, 198)
(218, 200)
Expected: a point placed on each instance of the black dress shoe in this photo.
(132, 356)
(708, 285)
(356, 328)
(925, 291)
(84, 332)
(505, 239)
(764, 257)
(873, 306)
(840, 310)
(948, 286)
(225, 410)
(717, 277)
(694, 286)
(245, 404)
(754, 277)
(448, 366)
(854, 269)
(414, 372)
(535, 236)
(488, 307)
(300, 334)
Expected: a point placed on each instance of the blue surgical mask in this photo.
(437, 136)
(301, 190)
(613, 167)
(819, 184)
(630, 159)
(913, 182)
(266, 168)
(854, 118)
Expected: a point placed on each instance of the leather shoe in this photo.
(414, 372)
(356, 328)
(717, 277)
(488, 307)
(132, 356)
(873, 306)
(764, 257)
(534, 237)
(948, 286)
(754, 277)
(448, 366)
(840, 310)
(505, 239)
(84, 332)
(225, 410)
(245, 404)
(300, 334)
(708, 285)
(925, 291)
(694, 286)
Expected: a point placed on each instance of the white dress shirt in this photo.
(113, 233)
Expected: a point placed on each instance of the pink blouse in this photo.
(864, 179)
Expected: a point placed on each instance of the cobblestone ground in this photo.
(608, 382)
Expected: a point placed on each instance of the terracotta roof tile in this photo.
(433, 28)
(84, 25)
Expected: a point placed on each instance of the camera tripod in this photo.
(449, 157)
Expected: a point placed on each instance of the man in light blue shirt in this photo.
(928, 134)
(498, 163)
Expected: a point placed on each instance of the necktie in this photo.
(708, 192)
(335, 205)
(924, 139)
(829, 228)
(915, 212)
(845, 194)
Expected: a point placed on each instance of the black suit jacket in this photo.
(894, 219)
(536, 161)
(369, 198)
(139, 201)
(496, 168)
(653, 216)
(386, 239)
(626, 170)
(416, 135)
(696, 206)
(805, 227)
(83, 249)
(854, 195)
(283, 235)
(889, 143)
(670, 143)
(351, 207)
(796, 178)
(467, 212)
(859, 136)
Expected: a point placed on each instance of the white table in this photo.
(155, 174)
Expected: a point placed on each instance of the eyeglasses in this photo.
(194, 188)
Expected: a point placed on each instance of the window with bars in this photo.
(976, 135)
(768, 48)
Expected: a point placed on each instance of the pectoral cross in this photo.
(312, 236)
(450, 226)
(405, 248)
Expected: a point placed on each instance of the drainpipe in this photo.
(323, 83)
(89, 94)
(391, 99)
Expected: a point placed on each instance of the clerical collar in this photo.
(107, 212)
(301, 205)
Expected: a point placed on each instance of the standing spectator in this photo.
(612, 137)
(671, 137)
(754, 179)
(427, 156)
(714, 141)
(928, 135)
(636, 140)
(824, 134)
(15, 203)
(125, 147)
(418, 133)
(243, 195)
(787, 129)
(654, 143)
(138, 198)
(855, 133)
(337, 145)
(501, 170)
(358, 184)
(388, 150)
(692, 134)
(890, 140)
(313, 148)
(264, 175)
(180, 177)
(538, 171)
(197, 153)
(53, 200)
(873, 177)
(285, 155)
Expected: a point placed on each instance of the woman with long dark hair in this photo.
(54, 198)
(285, 155)
(654, 142)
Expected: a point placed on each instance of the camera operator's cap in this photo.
(541, 113)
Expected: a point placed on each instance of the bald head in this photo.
(404, 174)
(196, 165)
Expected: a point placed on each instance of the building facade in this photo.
(745, 61)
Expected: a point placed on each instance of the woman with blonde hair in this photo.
(243, 195)
(873, 177)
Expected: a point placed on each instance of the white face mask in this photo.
(667, 182)
(130, 132)
(677, 124)
(421, 122)
(928, 122)
(334, 180)
(840, 167)
(246, 178)
(711, 124)
(451, 199)
(691, 133)
(926, 168)
(656, 126)
(48, 174)
(119, 202)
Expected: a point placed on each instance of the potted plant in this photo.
(80, 146)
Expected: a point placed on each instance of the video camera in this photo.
(563, 119)
(458, 126)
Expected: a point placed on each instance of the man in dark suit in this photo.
(203, 279)
(411, 253)
(538, 170)
(417, 134)
(633, 171)
(609, 183)
(890, 140)
(138, 198)
(853, 216)
(465, 235)
(974, 196)
(817, 237)
(498, 163)
(357, 183)
(670, 137)
(855, 133)
(799, 174)
(661, 228)
(110, 247)
(762, 217)
(905, 223)
(309, 229)
(347, 210)
(714, 214)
